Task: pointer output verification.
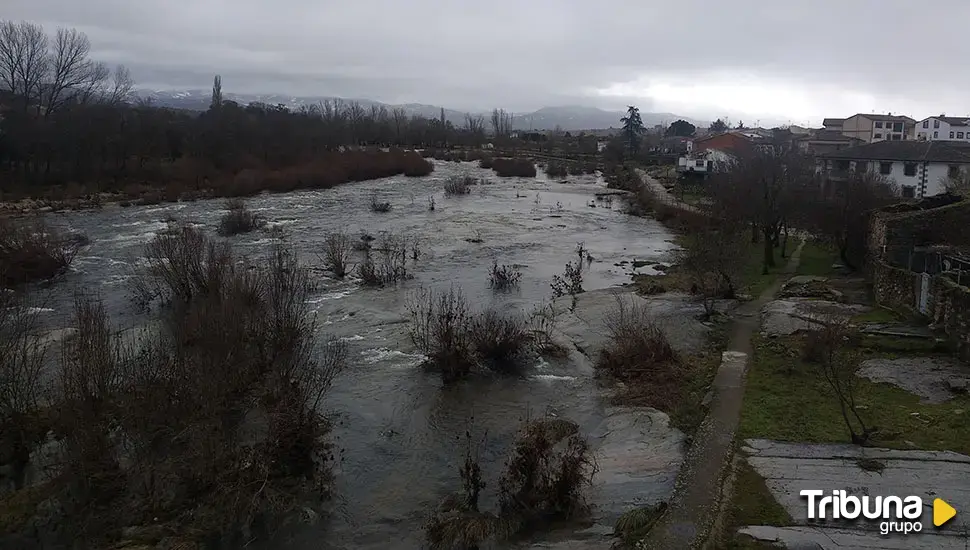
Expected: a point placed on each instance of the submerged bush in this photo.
(502, 343)
(337, 250)
(386, 260)
(31, 251)
(508, 167)
(503, 277)
(459, 185)
(416, 166)
(439, 328)
(239, 219)
(546, 475)
(377, 205)
(217, 406)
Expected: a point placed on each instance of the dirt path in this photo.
(693, 508)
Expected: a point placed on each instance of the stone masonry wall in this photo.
(895, 288)
(951, 312)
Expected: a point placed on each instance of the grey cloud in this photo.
(522, 55)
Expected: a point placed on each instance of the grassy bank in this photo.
(781, 387)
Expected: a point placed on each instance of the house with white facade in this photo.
(920, 168)
(872, 127)
(943, 127)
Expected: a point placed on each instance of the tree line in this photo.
(67, 119)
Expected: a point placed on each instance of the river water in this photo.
(396, 427)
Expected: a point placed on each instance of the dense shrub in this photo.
(556, 169)
(217, 406)
(439, 328)
(508, 167)
(639, 353)
(415, 166)
(31, 251)
(239, 219)
(460, 185)
(502, 343)
(549, 468)
(486, 162)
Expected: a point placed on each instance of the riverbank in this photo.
(187, 181)
(907, 388)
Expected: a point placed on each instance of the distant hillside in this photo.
(569, 118)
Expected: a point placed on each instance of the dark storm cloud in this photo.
(523, 54)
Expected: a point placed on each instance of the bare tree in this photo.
(843, 218)
(958, 183)
(501, 123)
(24, 60)
(400, 119)
(713, 259)
(828, 347)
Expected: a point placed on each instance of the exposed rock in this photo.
(927, 377)
(786, 317)
(144, 533)
(789, 468)
(958, 385)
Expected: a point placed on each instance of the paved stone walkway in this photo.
(693, 508)
(663, 194)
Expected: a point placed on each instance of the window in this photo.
(878, 124)
(861, 166)
(953, 171)
(959, 135)
(926, 124)
(909, 169)
(936, 123)
(897, 127)
(699, 163)
(936, 135)
(885, 168)
(877, 136)
(909, 192)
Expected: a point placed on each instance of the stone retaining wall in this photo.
(951, 312)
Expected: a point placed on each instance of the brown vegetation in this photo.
(713, 259)
(205, 425)
(80, 135)
(546, 474)
(639, 354)
(509, 167)
(458, 341)
(32, 251)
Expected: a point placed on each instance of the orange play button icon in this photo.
(942, 512)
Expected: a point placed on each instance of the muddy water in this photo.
(397, 428)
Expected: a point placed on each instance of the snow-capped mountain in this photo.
(568, 118)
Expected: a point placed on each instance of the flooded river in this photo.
(396, 427)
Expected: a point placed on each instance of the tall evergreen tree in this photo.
(216, 93)
(632, 129)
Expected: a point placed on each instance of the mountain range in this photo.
(568, 118)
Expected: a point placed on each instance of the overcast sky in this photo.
(791, 60)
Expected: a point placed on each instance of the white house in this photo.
(943, 127)
(872, 127)
(920, 168)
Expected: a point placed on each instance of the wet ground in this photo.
(396, 426)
